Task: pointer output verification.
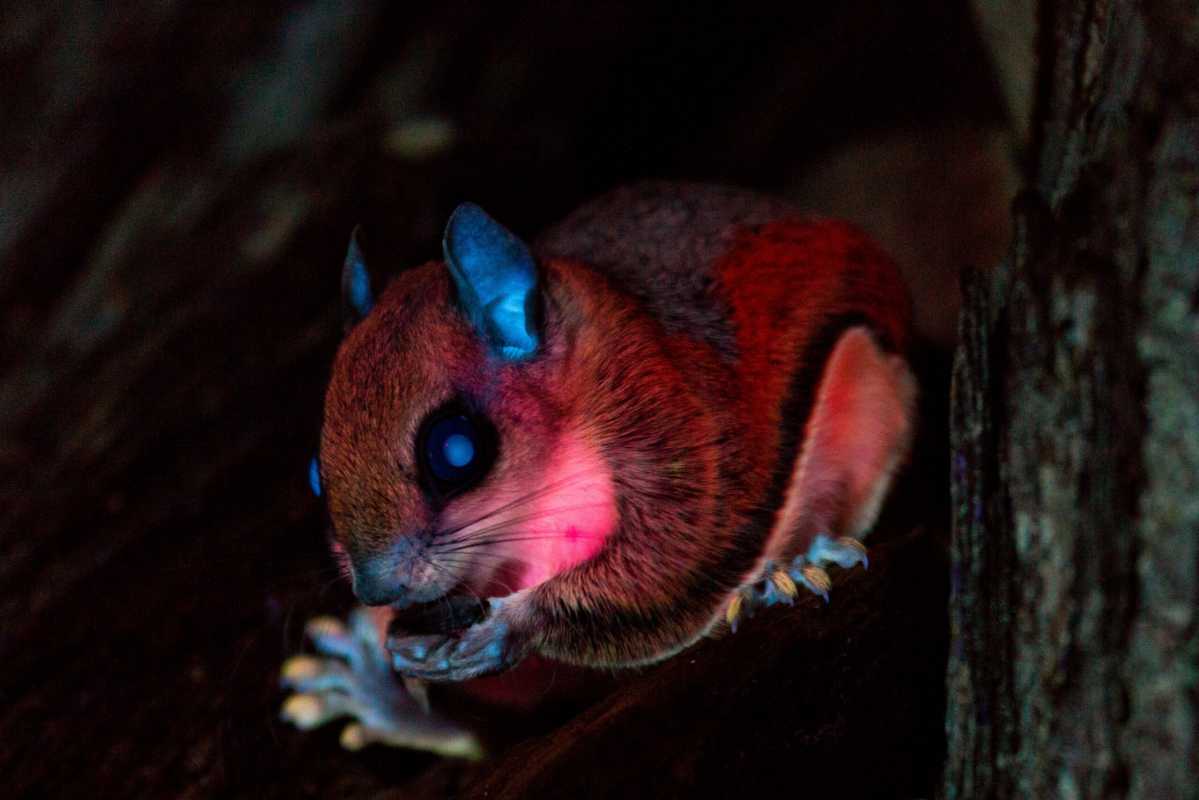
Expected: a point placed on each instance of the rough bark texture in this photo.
(1076, 434)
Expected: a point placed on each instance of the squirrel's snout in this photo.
(396, 579)
(372, 591)
(377, 583)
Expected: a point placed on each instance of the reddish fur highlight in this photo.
(700, 431)
(784, 282)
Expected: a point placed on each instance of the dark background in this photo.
(178, 183)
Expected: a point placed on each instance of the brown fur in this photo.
(698, 418)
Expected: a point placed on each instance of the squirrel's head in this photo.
(449, 456)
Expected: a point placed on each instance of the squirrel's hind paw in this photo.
(778, 585)
(774, 586)
(808, 569)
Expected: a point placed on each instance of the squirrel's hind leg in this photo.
(855, 439)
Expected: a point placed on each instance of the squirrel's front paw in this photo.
(493, 645)
(355, 680)
(779, 584)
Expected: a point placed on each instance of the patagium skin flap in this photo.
(682, 402)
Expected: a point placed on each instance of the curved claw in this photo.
(775, 585)
(309, 710)
(732, 614)
(814, 579)
(786, 587)
(771, 595)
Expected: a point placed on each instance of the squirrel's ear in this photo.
(356, 297)
(496, 279)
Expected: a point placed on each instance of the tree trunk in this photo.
(1072, 667)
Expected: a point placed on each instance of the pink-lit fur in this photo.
(574, 512)
(569, 525)
(858, 433)
(572, 521)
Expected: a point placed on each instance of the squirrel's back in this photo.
(659, 241)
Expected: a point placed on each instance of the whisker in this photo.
(516, 537)
(517, 502)
(480, 532)
(436, 566)
(502, 536)
(495, 557)
(498, 580)
(526, 498)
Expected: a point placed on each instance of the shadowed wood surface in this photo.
(1076, 433)
(179, 182)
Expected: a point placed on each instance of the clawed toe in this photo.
(305, 711)
(845, 552)
(732, 614)
(814, 579)
(777, 585)
(808, 569)
(309, 674)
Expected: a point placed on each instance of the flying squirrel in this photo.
(682, 403)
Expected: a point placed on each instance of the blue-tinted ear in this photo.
(496, 280)
(356, 297)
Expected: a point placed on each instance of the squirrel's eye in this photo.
(455, 451)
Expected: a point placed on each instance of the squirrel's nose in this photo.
(377, 584)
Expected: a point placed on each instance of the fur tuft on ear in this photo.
(856, 438)
(496, 279)
(356, 297)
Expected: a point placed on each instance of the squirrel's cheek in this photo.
(580, 513)
(572, 517)
(534, 523)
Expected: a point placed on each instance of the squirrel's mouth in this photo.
(446, 615)
(464, 605)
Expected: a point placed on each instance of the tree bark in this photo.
(1072, 667)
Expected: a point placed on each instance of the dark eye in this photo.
(456, 449)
